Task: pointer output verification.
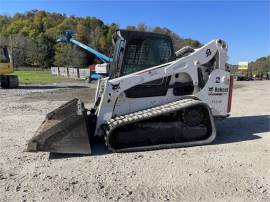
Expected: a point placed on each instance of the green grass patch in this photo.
(40, 77)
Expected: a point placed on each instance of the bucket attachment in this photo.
(65, 130)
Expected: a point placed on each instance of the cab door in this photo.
(143, 53)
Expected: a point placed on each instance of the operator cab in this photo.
(135, 51)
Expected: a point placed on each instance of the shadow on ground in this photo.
(97, 149)
(230, 130)
(50, 87)
(237, 129)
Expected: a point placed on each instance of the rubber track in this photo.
(154, 112)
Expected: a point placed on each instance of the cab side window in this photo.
(4, 57)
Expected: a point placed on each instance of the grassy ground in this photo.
(40, 77)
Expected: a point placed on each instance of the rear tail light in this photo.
(230, 95)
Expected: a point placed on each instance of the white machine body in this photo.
(216, 92)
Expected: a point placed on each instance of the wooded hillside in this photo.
(257, 67)
(261, 65)
(33, 37)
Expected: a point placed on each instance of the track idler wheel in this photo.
(193, 116)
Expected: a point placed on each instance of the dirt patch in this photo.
(87, 95)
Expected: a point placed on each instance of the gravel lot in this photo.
(235, 168)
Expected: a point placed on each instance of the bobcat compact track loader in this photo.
(154, 98)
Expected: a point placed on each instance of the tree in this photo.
(40, 53)
(112, 29)
(142, 27)
(69, 55)
(20, 45)
(261, 65)
(131, 28)
(35, 33)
